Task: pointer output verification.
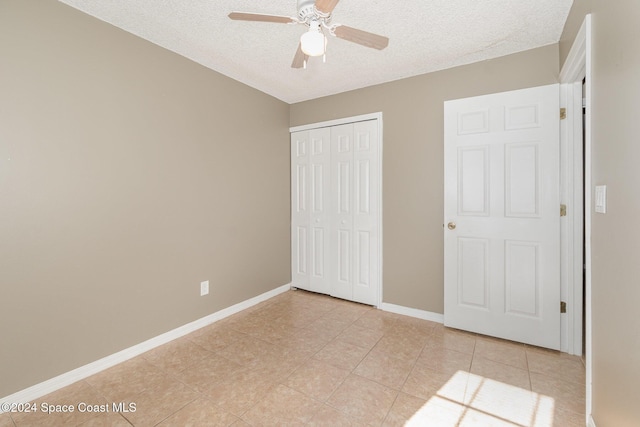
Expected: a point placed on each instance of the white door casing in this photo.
(502, 259)
(577, 67)
(335, 215)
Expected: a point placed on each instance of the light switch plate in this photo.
(601, 199)
(204, 288)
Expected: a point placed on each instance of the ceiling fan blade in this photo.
(361, 37)
(242, 16)
(300, 58)
(326, 6)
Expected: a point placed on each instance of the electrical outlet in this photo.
(204, 288)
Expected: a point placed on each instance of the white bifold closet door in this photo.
(310, 169)
(335, 218)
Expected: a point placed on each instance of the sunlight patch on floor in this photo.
(469, 400)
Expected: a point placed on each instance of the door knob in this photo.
(451, 225)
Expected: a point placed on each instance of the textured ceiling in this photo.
(425, 36)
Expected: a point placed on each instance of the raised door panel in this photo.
(473, 181)
(473, 273)
(522, 278)
(300, 172)
(301, 250)
(522, 176)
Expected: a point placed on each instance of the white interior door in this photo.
(502, 215)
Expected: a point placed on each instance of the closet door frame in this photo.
(365, 117)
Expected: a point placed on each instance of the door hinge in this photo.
(563, 210)
(563, 307)
(563, 113)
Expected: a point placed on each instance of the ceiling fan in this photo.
(316, 14)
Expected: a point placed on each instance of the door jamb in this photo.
(571, 231)
(576, 68)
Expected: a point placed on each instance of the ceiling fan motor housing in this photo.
(306, 9)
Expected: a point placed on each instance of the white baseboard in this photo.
(413, 312)
(68, 378)
(590, 421)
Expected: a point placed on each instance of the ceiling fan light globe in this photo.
(313, 43)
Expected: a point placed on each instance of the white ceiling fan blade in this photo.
(326, 6)
(363, 38)
(258, 17)
(300, 58)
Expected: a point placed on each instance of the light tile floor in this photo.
(307, 359)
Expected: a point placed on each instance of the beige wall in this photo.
(134, 174)
(413, 159)
(616, 235)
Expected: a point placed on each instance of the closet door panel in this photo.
(320, 173)
(365, 215)
(300, 212)
(342, 203)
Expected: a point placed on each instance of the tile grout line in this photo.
(311, 357)
(415, 362)
(413, 365)
(351, 372)
(365, 356)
